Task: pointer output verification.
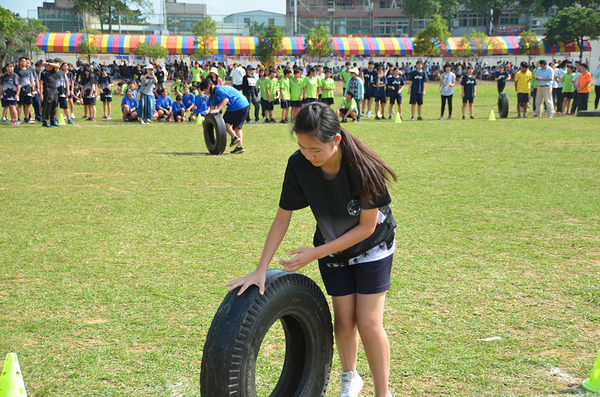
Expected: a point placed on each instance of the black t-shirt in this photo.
(160, 76)
(336, 205)
(104, 82)
(27, 81)
(48, 78)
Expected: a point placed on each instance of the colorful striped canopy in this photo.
(237, 45)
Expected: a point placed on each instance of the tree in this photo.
(88, 43)
(28, 31)
(426, 8)
(270, 42)
(8, 34)
(255, 28)
(105, 9)
(571, 25)
(318, 42)
(431, 40)
(528, 42)
(491, 9)
(478, 44)
(153, 50)
(205, 30)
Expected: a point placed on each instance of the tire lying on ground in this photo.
(240, 324)
(503, 105)
(588, 113)
(215, 133)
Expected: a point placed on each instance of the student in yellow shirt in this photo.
(522, 87)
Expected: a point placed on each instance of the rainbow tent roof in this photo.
(237, 45)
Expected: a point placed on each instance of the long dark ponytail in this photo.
(369, 171)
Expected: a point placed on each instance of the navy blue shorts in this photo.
(369, 94)
(285, 104)
(467, 100)
(266, 105)
(25, 100)
(89, 101)
(237, 117)
(9, 102)
(310, 100)
(62, 102)
(104, 98)
(296, 104)
(326, 101)
(380, 98)
(362, 278)
(416, 99)
(395, 98)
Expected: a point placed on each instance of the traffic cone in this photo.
(199, 119)
(11, 380)
(492, 117)
(593, 382)
(397, 119)
(61, 122)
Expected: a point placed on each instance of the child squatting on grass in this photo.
(344, 183)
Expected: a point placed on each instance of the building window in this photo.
(384, 4)
(247, 21)
(271, 21)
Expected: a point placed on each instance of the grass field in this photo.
(116, 241)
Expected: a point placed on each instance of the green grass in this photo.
(117, 239)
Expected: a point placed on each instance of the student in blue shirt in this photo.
(416, 88)
(469, 91)
(178, 109)
(502, 76)
(163, 106)
(188, 99)
(237, 110)
(200, 106)
(395, 87)
(129, 106)
(379, 84)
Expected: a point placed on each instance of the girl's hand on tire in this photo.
(304, 256)
(255, 278)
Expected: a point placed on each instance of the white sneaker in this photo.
(370, 114)
(379, 114)
(351, 386)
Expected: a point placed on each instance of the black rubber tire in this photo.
(240, 325)
(215, 133)
(503, 105)
(588, 113)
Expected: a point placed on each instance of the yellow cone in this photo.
(62, 120)
(397, 119)
(199, 119)
(11, 379)
(492, 117)
(593, 382)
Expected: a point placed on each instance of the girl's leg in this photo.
(109, 108)
(443, 105)
(471, 108)
(400, 110)
(346, 330)
(463, 109)
(450, 106)
(369, 317)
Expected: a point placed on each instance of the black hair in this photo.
(369, 172)
(178, 98)
(524, 64)
(351, 94)
(585, 65)
(286, 71)
(543, 62)
(206, 83)
(447, 65)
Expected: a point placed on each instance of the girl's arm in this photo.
(277, 231)
(305, 255)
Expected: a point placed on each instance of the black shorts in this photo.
(296, 104)
(416, 99)
(396, 98)
(237, 117)
(9, 102)
(62, 102)
(310, 100)
(327, 101)
(89, 101)
(522, 97)
(380, 98)
(467, 100)
(285, 104)
(369, 94)
(4, 103)
(266, 105)
(567, 95)
(361, 278)
(104, 98)
(25, 100)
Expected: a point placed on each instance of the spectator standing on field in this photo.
(544, 76)
(522, 87)
(147, 100)
(356, 87)
(416, 89)
(583, 83)
(469, 91)
(447, 82)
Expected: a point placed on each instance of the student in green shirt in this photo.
(261, 83)
(348, 108)
(567, 91)
(177, 87)
(284, 90)
(196, 72)
(273, 92)
(345, 74)
(312, 86)
(327, 86)
(222, 72)
(296, 92)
